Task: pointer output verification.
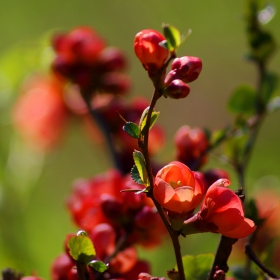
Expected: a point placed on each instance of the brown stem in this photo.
(174, 235)
(96, 117)
(222, 255)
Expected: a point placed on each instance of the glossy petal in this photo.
(245, 228)
(224, 209)
(177, 189)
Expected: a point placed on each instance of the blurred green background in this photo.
(218, 38)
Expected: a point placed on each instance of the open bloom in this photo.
(222, 212)
(148, 50)
(177, 188)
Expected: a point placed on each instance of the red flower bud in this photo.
(190, 144)
(186, 68)
(111, 59)
(177, 188)
(148, 50)
(114, 82)
(177, 89)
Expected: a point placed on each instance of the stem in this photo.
(83, 273)
(252, 256)
(174, 235)
(104, 128)
(222, 255)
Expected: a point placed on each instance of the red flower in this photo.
(177, 188)
(222, 212)
(148, 50)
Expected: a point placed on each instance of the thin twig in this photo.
(250, 253)
(104, 128)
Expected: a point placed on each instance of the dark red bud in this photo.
(111, 207)
(145, 218)
(177, 89)
(187, 68)
(111, 59)
(114, 82)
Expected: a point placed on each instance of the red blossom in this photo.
(177, 188)
(221, 212)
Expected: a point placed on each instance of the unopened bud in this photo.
(177, 89)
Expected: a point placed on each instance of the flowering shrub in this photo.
(141, 201)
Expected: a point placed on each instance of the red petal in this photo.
(244, 229)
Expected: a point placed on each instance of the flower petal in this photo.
(163, 192)
(244, 229)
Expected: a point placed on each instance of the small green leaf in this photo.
(98, 266)
(81, 248)
(143, 119)
(197, 267)
(135, 175)
(185, 35)
(132, 129)
(235, 146)
(140, 163)
(269, 86)
(172, 36)
(242, 100)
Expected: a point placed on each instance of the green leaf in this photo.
(140, 163)
(197, 267)
(132, 129)
(136, 176)
(143, 119)
(269, 86)
(262, 45)
(98, 266)
(81, 248)
(185, 35)
(242, 100)
(235, 146)
(238, 273)
(172, 36)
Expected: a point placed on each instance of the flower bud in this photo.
(186, 68)
(115, 83)
(191, 144)
(148, 50)
(111, 59)
(145, 218)
(177, 89)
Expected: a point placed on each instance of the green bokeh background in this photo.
(218, 38)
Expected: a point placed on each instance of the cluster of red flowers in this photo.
(110, 216)
(82, 57)
(116, 221)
